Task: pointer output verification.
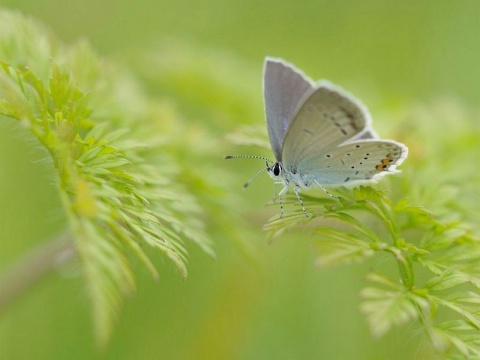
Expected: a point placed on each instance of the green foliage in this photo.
(131, 173)
(436, 252)
(447, 250)
(120, 191)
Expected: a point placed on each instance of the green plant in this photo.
(416, 240)
(436, 252)
(127, 171)
(120, 191)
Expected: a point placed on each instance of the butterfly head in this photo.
(275, 171)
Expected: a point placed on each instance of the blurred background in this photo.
(412, 63)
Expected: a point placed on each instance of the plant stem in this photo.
(405, 267)
(33, 267)
(406, 272)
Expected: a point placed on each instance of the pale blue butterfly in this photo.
(320, 134)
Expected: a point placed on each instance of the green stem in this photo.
(405, 264)
(405, 269)
(33, 267)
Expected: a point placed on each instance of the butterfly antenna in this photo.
(247, 157)
(251, 157)
(253, 178)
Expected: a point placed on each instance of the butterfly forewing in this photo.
(354, 161)
(284, 86)
(327, 118)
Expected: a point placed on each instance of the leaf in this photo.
(457, 334)
(338, 248)
(116, 193)
(385, 308)
(448, 279)
(358, 225)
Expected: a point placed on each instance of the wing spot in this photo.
(356, 172)
(328, 155)
(357, 146)
(353, 167)
(347, 179)
(361, 163)
(344, 132)
(347, 114)
(382, 167)
(349, 154)
(343, 162)
(350, 117)
(365, 158)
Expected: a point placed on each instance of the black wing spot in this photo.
(328, 155)
(344, 132)
(356, 172)
(353, 167)
(349, 154)
(357, 146)
(354, 124)
(347, 179)
(347, 113)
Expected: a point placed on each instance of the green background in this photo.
(258, 300)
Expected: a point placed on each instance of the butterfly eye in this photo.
(277, 169)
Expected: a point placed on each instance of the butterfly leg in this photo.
(283, 191)
(326, 191)
(300, 199)
(281, 205)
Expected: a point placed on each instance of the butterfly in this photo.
(320, 134)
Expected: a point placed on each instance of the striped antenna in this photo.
(254, 177)
(251, 157)
(247, 157)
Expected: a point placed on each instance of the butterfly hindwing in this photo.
(284, 86)
(327, 118)
(355, 161)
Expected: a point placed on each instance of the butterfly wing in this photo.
(284, 86)
(327, 117)
(354, 161)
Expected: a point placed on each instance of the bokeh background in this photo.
(258, 299)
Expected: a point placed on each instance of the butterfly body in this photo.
(320, 134)
(288, 177)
